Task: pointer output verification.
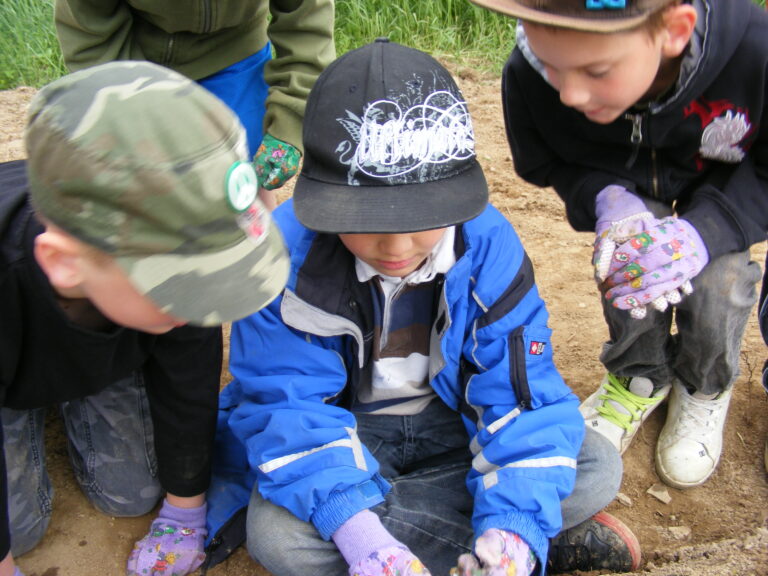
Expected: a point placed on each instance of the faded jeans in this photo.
(426, 459)
(111, 447)
(705, 352)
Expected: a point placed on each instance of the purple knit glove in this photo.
(497, 553)
(617, 210)
(656, 266)
(174, 545)
(275, 162)
(370, 550)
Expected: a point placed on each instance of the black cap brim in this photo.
(344, 209)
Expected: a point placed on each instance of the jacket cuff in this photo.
(341, 506)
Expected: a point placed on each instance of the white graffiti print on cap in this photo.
(392, 141)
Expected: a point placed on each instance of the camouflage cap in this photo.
(151, 168)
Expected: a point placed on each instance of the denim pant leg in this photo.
(429, 508)
(30, 494)
(640, 347)
(426, 459)
(598, 478)
(712, 320)
(111, 446)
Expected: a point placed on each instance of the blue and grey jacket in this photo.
(285, 422)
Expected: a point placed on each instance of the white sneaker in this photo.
(620, 406)
(691, 441)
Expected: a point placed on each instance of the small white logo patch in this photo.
(242, 186)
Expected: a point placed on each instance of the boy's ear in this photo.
(679, 23)
(59, 256)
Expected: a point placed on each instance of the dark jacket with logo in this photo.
(46, 359)
(703, 148)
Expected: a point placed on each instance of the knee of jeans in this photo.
(126, 505)
(25, 538)
(604, 456)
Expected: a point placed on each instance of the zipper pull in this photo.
(637, 137)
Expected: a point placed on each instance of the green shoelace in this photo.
(616, 391)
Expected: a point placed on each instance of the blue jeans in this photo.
(426, 459)
(704, 354)
(242, 87)
(111, 447)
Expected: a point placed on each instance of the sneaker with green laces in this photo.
(618, 408)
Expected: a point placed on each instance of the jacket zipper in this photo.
(206, 16)
(636, 138)
(519, 373)
(654, 174)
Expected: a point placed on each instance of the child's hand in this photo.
(497, 553)
(656, 266)
(620, 214)
(391, 560)
(174, 545)
(275, 162)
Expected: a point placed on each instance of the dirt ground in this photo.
(717, 529)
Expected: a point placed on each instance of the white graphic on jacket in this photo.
(725, 127)
(409, 138)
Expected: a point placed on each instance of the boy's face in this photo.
(393, 254)
(108, 288)
(76, 271)
(600, 75)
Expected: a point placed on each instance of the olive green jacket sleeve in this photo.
(301, 33)
(201, 38)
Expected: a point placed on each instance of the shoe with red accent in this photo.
(601, 543)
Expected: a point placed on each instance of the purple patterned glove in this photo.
(395, 560)
(618, 211)
(275, 162)
(656, 266)
(497, 553)
(370, 550)
(174, 545)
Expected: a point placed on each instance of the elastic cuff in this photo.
(187, 517)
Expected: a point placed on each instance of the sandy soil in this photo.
(716, 529)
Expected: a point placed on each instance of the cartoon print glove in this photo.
(394, 560)
(275, 162)
(619, 214)
(497, 553)
(656, 266)
(174, 545)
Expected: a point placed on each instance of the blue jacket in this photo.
(297, 363)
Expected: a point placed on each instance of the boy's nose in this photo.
(573, 93)
(395, 244)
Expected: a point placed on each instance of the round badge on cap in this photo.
(242, 186)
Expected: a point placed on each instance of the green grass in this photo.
(455, 29)
(29, 51)
(451, 29)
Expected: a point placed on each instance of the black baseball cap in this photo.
(388, 146)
